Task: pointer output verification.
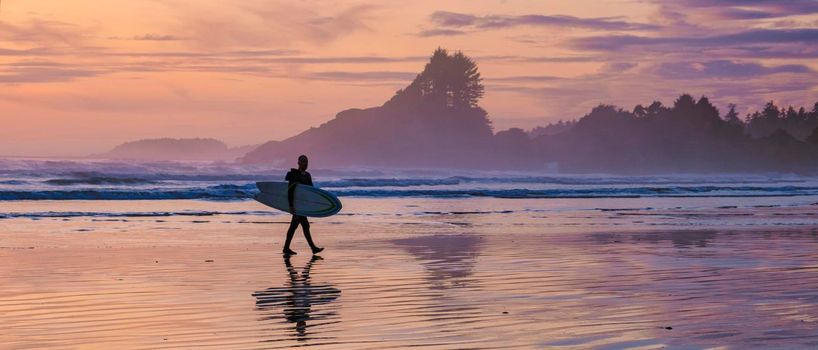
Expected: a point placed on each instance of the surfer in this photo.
(295, 177)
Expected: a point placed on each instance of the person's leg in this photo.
(290, 233)
(305, 226)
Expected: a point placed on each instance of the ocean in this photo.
(110, 180)
(54, 188)
(177, 255)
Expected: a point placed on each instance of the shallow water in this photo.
(484, 274)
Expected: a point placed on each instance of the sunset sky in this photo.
(81, 76)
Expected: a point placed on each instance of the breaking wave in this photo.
(98, 180)
(247, 191)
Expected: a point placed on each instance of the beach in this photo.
(409, 272)
(595, 175)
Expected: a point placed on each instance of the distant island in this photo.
(176, 149)
(436, 122)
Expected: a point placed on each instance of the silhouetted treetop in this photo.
(770, 111)
(684, 105)
(605, 119)
(656, 108)
(450, 80)
(706, 109)
(732, 116)
(799, 123)
(552, 128)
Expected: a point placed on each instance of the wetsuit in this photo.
(295, 177)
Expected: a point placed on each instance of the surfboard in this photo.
(309, 201)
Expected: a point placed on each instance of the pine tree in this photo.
(732, 116)
(450, 80)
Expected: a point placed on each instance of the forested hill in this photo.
(433, 122)
(436, 122)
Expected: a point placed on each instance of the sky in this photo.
(80, 76)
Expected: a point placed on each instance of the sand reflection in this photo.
(449, 259)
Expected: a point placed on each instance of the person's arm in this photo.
(291, 191)
(309, 179)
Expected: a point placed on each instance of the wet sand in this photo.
(467, 282)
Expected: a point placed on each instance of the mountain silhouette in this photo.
(436, 122)
(176, 149)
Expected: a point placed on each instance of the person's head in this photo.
(303, 162)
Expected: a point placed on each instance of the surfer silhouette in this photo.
(295, 177)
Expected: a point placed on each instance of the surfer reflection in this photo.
(298, 298)
(295, 177)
